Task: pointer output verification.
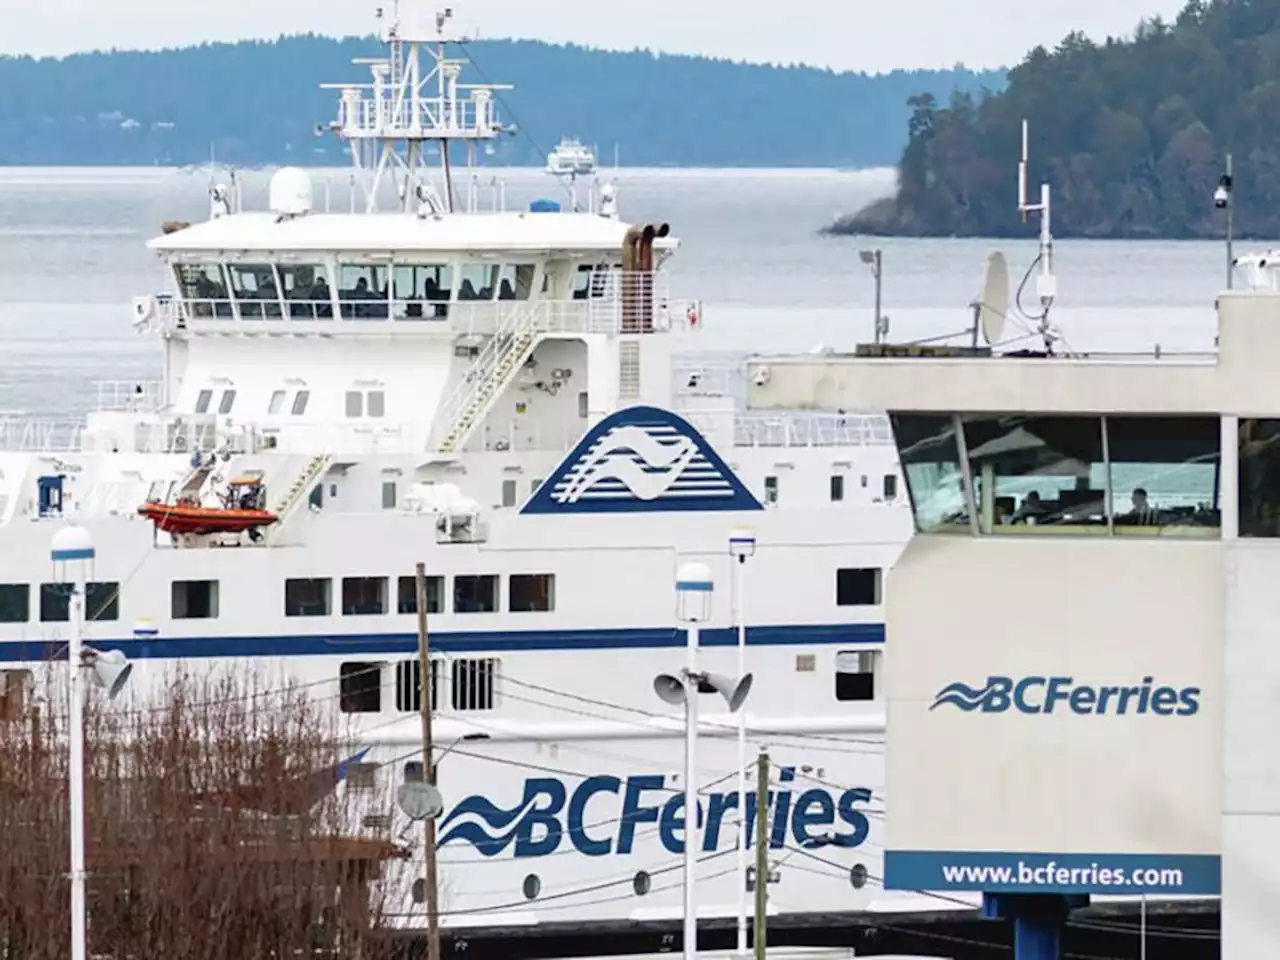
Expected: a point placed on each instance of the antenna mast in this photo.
(389, 122)
(1046, 282)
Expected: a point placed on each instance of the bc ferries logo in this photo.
(606, 816)
(1044, 694)
(642, 459)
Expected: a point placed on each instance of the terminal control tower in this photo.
(1083, 676)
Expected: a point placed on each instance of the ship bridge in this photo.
(1082, 690)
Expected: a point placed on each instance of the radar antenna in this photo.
(389, 123)
(1046, 282)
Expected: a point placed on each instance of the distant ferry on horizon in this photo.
(571, 158)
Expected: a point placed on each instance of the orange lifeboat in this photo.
(191, 518)
(241, 511)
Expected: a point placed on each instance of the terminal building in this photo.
(1085, 677)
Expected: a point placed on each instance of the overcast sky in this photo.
(844, 34)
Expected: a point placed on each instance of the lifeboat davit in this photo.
(191, 518)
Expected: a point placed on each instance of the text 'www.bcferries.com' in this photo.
(1052, 875)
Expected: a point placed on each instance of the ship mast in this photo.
(389, 122)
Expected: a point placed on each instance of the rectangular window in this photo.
(534, 485)
(277, 402)
(858, 586)
(15, 602)
(837, 488)
(508, 493)
(770, 489)
(856, 674)
(408, 687)
(473, 683)
(475, 594)
(515, 281)
(254, 287)
(532, 592)
(421, 291)
(407, 595)
(195, 599)
(228, 401)
(478, 281)
(203, 399)
(308, 597)
(307, 289)
(890, 486)
(376, 403)
(300, 402)
(102, 602)
(360, 687)
(388, 494)
(1165, 473)
(362, 291)
(355, 403)
(582, 405)
(362, 776)
(364, 596)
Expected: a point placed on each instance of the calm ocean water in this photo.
(72, 254)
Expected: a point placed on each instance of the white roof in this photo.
(395, 232)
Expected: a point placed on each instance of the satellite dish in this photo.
(993, 301)
(419, 800)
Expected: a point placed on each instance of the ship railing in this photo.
(761, 429)
(141, 396)
(708, 378)
(27, 435)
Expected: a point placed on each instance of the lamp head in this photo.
(111, 670)
(693, 592)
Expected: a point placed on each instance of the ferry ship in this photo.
(571, 158)
(500, 395)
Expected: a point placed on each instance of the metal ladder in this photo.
(302, 485)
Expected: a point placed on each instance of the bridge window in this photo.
(255, 290)
(300, 402)
(194, 599)
(407, 595)
(360, 687)
(1259, 478)
(364, 596)
(203, 399)
(532, 592)
(515, 281)
(479, 281)
(204, 287)
(475, 594)
(474, 683)
(15, 602)
(1032, 471)
(308, 597)
(277, 402)
(422, 290)
(929, 450)
(228, 401)
(306, 287)
(362, 291)
(1165, 475)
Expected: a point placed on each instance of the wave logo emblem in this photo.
(1037, 694)
(642, 460)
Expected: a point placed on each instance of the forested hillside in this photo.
(1131, 135)
(258, 103)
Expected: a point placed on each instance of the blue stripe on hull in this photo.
(496, 641)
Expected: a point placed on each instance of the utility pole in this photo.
(1223, 200)
(425, 707)
(762, 853)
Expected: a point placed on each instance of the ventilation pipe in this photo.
(631, 243)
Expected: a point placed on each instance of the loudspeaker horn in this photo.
(733, 691)
(669, 688)
(111, 670)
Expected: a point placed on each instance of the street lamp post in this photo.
(742, 544)
(1223, 200)
(693, 608)
(875, 260)
(72, 553)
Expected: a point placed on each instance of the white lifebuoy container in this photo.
(692, 315)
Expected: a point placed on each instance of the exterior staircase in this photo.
(302, 485)
(489, 374)
(192, 485)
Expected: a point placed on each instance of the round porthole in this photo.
(419, 891)
(532, 886)
(858, 876)
(642, 883)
